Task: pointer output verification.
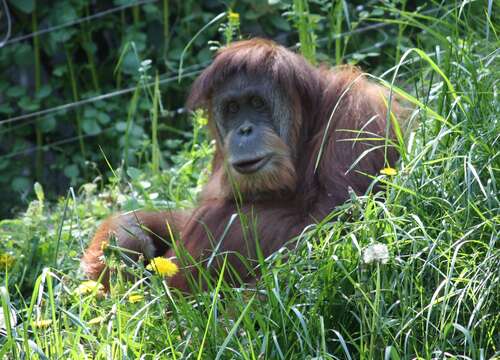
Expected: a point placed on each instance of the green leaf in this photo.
(103, 118)
(21, 184)
(280, 23)
(90, 47)
(121, 126)
(23, 55)
(134, 173)
(90, 126)
(40, 195)
(26, 6)
(123, 2)
(44, 91)
(136, 131)
(5, 109)
(130, 63)
(251, 15)
(58, 37)
(90, 112)
(28, 104)
(3, 164)
(71, 171)
(47, 124)
(16, 91)
(60, 70)
(66, 12)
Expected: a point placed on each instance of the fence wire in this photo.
(54, 144)
(80, 20)
(9, 24)
(71, 105)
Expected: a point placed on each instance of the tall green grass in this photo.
(436, 297)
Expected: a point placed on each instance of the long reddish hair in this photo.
(341, 141)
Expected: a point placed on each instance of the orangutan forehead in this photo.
(245, 83)
(242, 85)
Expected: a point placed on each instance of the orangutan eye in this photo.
(232, 107)
(257, 102)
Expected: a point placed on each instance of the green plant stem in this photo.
(130, 120)
(166, 26)
(136, 14)
(76, 97)
(38, 130)
(375, 320)
(155, 160)
(336, 18)
(306, 32)
(87, 41)
(401, 28)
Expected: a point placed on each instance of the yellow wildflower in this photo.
(96, 320)
(41, 324)
(134, 298)
(389, 171)
(6, 260)
(104, 245)
(163, 266)
(88, 287)
(233, 16)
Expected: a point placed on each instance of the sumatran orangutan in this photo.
(291, 141)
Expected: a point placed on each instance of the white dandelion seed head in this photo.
(3, 321)
(376, 253)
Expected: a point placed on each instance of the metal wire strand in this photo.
(9, 24)
(74, 104)
(73, 22)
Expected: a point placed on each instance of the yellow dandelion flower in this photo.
(104, 245)
(389, 171)
(163, 266)
(233, 16)
(88, 287)
(6, 260)
(96, 320)
(134, 298)
(41, 324)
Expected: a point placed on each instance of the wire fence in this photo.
(71, 105)
(9, 23)
(7, 41)
(37, 116)
(54, 144)
(32, 117)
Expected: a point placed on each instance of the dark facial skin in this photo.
(247, 113)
